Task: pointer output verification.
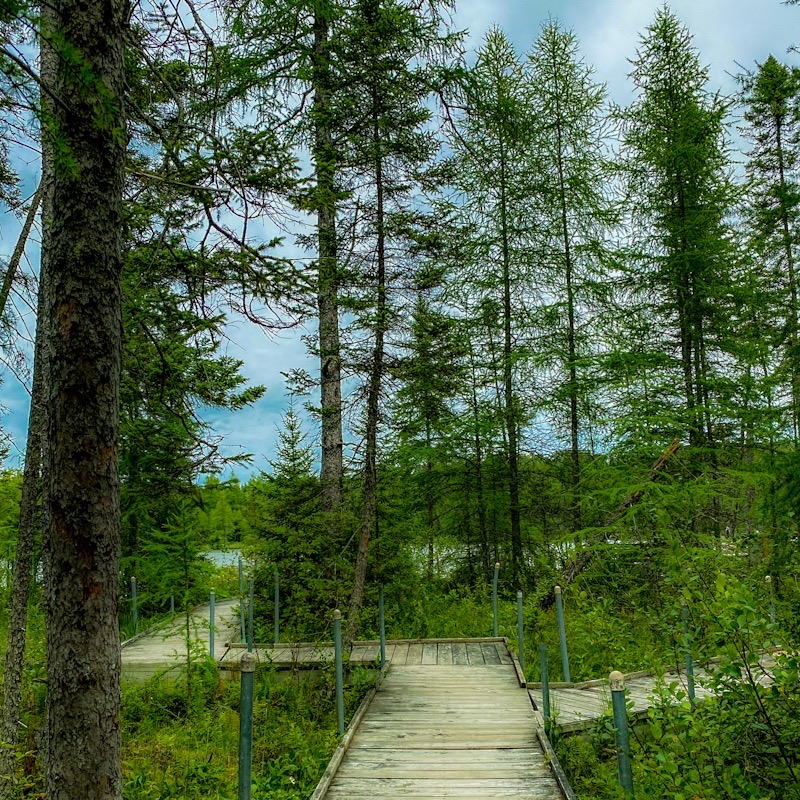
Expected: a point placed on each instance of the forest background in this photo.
(566, 329)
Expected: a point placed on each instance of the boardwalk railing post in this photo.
(382, 626)
(211, 631)
(250, 616)
(494, 598)
(562, 634)
(520, 632)
(277, 609)
(247, 667)
(545, 683)
(134, 609)
(337, 645)
(617, 680)
(688, 651)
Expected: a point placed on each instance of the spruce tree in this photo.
(771, 97)
(680, 195)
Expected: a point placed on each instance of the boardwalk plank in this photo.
(430, 653)
(490, 654)
(460, 654)
(445, 654)
(475, 653)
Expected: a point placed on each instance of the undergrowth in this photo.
(188, 749)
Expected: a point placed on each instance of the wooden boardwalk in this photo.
(446, 730)
(577, 706)
(399, 652)
(163, 651)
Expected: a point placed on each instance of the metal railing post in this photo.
(562, 634)
(211, 631)
(624, 773)
(688, 653)
(172, 604)
(520, 632)
(768, 579)
(494, 597)
(134, 609)
(247, 667)
(250, 617)
(382, 626)
(277, 609)
(337, 645)
(545, 682)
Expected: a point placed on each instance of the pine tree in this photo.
(495, 205)
(388, 58)
(771, 98)
(575, 173)
(680, 195)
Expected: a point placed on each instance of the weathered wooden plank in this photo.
(445, 654)
(414, 654)
(460, 654)
(400, 655)
(450, 757)
(505, 656)
(475, 653)
(430, 654)
(355, 789)
(490, 654)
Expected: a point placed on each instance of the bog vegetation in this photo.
(551, 332)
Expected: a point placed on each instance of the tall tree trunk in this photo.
(481, 499)
(373, 395)
(82, 354)
(17, 627)
(574, 424)
(328, 279)
(509, 399)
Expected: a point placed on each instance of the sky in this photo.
(729, 35)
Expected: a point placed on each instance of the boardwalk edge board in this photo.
(552, 759)
(344, 744)
(517, 666)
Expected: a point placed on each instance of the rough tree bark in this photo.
(81, 349)
(509, 397)
(373, 395)
(328, 283)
